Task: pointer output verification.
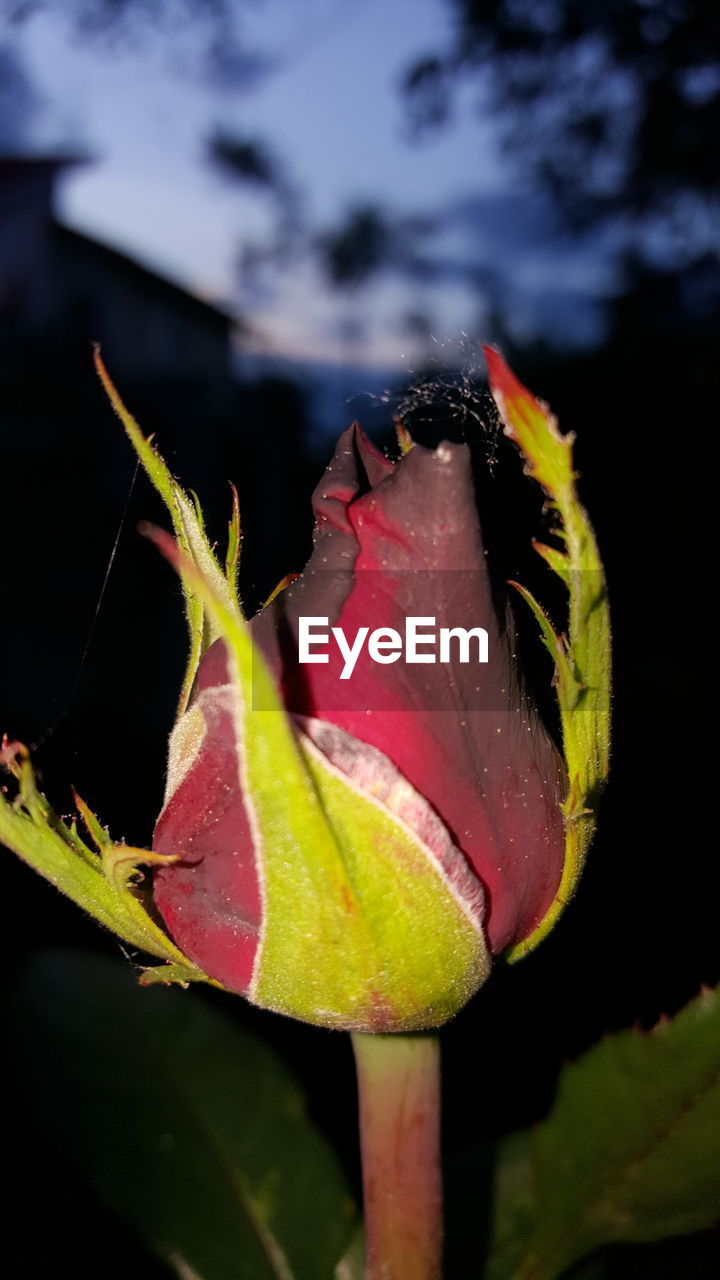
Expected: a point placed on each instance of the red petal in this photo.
(210, 901)
(464, 735)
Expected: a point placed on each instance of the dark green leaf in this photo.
(488, 1208)
(513, 1207)
(188, 1126)
(352, 1264)
(631, 1149)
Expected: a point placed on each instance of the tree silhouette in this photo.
(220, 47)
(613, 104)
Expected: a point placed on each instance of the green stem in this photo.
(399, 1091)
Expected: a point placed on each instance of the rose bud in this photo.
(326, 889)
(362, 805)
(431, 832)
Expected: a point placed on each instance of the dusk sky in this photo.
(329, 107)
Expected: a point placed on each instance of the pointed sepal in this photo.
(188, 523)
(102, 882)
(582, 661)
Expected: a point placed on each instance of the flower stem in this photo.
(399, 1090)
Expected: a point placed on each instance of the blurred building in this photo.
(65, 460)
(59, 287)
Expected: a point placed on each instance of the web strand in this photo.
(72, 700)
(103, 588)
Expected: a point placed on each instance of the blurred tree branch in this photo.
(609, 111)
(613, 105)
(221, 48)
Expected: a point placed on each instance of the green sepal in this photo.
(165, 975)
(557, 559)
(188, 522)
(97, 832)
(568, 686)
(102, 882)
(360, 929)
(582, 661)
(234, 543)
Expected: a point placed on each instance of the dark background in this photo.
(641, 936)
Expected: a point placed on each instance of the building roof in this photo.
(143, 276)
(42, 159)
(174, 293)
